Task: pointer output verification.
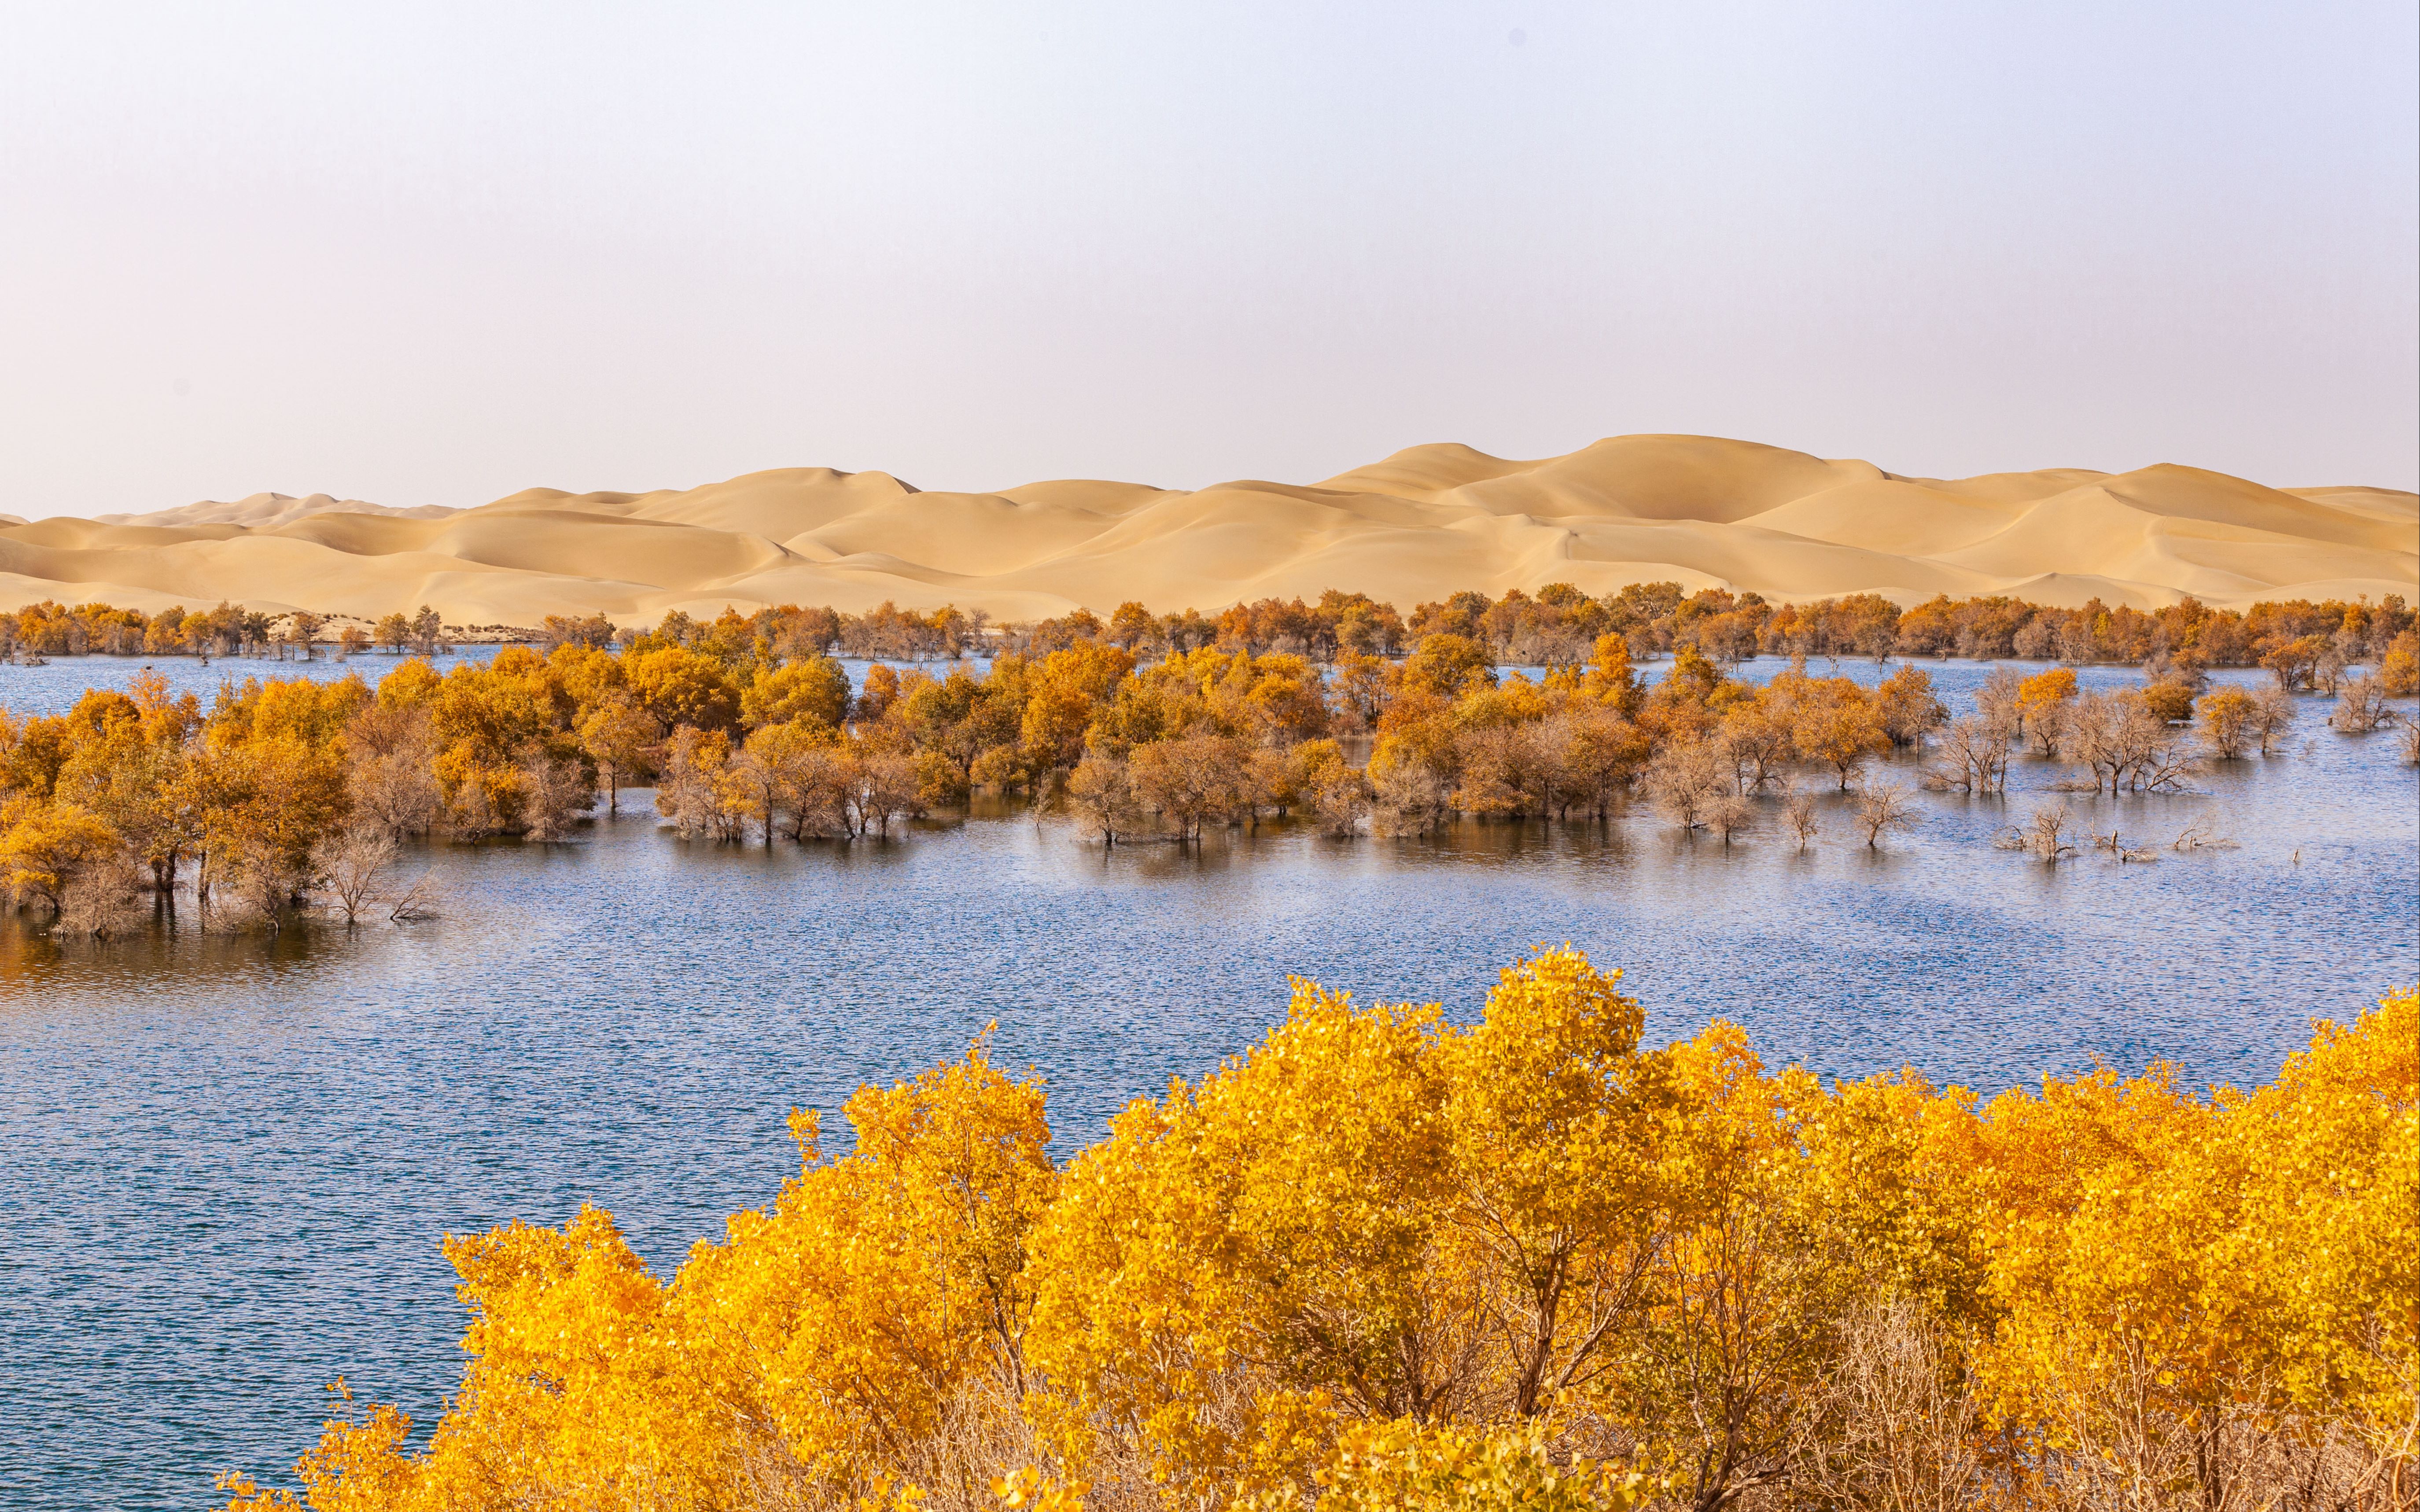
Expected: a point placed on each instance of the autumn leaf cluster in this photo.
(1386, 1260)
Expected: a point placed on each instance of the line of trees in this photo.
(1383, 1260)
(746, 735)
(53, 629)
(2308, 644)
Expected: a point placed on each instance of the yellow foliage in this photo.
(2042, 690)
(808, 1358)
(42, 845)
(1406, 1466)
(1386, 1260)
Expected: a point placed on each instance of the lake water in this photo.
(225, 1162)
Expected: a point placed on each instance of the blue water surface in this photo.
(225, 1162)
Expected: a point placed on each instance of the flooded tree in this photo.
(1999, 696)
(1101, 794)
(618, 737)
(1882, 806)
(2362, 706)
(2272, 716)
(2046, 836)
(2170, 698)
(390, 771)
(689, 792)
(884, 792)
(106, 899)
(1908, 707)
(1840, 732)
(1190, 782)
(798, 771)
(351, 865)
(2227, 721)
(1341, 798)
(46, 849)
(1729, 815)
(2126, 745)
(1972, 755)
(1685, 780)
(1408, 799)
(1798, 812)
(554, 795)
(1761, 740)
(426, 898)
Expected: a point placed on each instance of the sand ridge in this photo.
(1417, 525)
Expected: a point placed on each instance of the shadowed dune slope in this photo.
(1420, 524)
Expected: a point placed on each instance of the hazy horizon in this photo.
(437, 256)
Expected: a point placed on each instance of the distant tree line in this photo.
(1560, 625)
(2309, 643)
(51, 630)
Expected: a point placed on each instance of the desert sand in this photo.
(1427, 522)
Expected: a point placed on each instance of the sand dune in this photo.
(1419, 525)
(263, 510)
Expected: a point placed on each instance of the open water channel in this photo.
(226, 1162)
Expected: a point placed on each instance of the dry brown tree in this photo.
(2198, 836)
(390, 773)
(1341, 800)
(351, 862)
(2128, 747)
(553, 793)
(1686, 779)
(2168, 766)
(1190, 782)
(2362, 706)
(1409, 799)
(2046, 836)
(1798, 812)
(1894, 1424)
(686, 792)
(1997, 700)
(2114, 843)
(884, 792)
(1100, 793)
(1884, 807)
(425, 899)
(1729, 816)
(104, 898)
(1972, 755)
(256, 879)
(2047, 727)
(2272, 714)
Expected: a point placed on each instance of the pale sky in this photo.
(433, 254)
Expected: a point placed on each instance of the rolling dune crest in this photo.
(1417, 525)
